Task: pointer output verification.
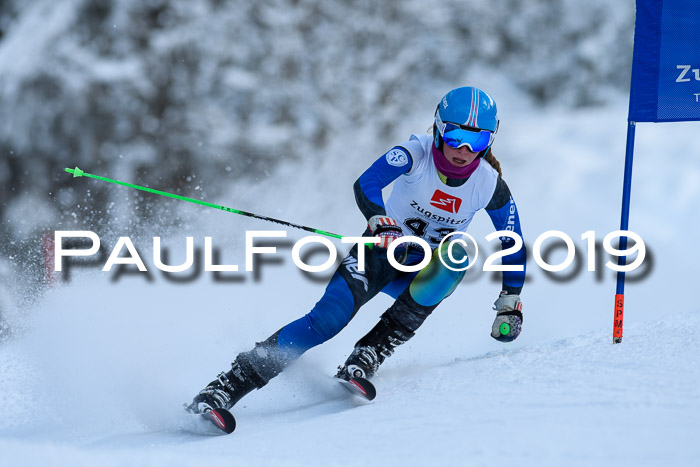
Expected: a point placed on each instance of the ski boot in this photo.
(224, 392)
(363, 362)
(375, 347)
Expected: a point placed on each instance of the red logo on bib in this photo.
(445, 202)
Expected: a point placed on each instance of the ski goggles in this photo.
(456, 136)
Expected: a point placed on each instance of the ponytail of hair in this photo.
(491, 159)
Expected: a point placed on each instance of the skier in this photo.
(440, 181)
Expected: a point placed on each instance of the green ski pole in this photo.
(79, 173)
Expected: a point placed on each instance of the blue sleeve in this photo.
(506, 217)
(368, 188)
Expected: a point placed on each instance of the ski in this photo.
(220, 418)
(226, 422)
(223, 419)
(359, 387)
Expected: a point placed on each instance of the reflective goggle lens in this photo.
(456, 137)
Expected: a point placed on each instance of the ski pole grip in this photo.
(504, 329)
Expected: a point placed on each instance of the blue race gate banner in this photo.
(666, 62)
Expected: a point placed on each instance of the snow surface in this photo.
(97, 370)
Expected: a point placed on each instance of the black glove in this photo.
(509, 317)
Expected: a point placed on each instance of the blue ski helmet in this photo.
(466, 117)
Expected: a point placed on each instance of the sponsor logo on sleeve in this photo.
(397, 157)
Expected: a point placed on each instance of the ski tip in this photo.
(360, 387)
(223, 419)
(76, 172)
(369, 389)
